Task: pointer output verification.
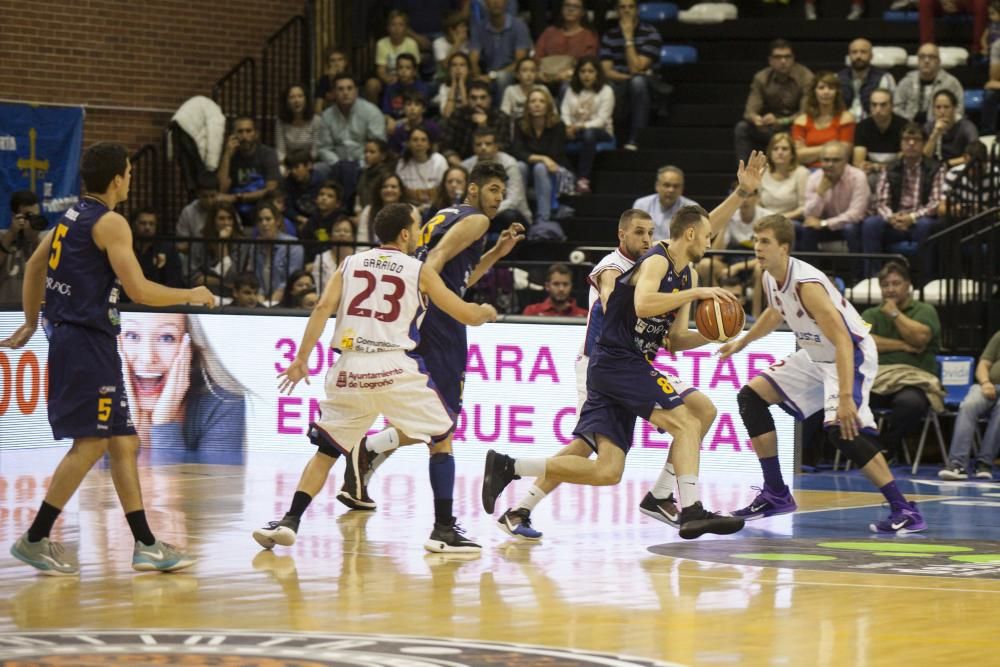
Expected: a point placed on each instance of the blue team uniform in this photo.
(443, 344)
(622, 384)
(87, 396)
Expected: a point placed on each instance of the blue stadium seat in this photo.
(900, 17)
(657, 11)
(676, 54)
(573, 147)
(974, 99)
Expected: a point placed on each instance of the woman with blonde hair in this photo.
(540, 148)
(826, 119)
(783, 187)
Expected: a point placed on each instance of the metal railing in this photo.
(144, 190)
(236, 91)
(284, 61)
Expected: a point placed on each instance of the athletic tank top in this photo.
(617, 260)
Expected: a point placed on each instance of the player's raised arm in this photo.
(463, 234)
(509, 238)
(748, 178)
(32, 293)
(467, 313)
(327, 305)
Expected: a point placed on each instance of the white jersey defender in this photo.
(807, 379)
(377, 372)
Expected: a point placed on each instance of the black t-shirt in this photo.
(868, 135)
(249, 173)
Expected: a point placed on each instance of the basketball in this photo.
(719, 320)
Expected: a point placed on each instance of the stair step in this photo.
(648, 161)
(641, 183)
(670, 138)
(705, 115)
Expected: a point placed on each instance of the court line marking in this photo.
(861, 507)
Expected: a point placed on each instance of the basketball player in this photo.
(378, 298)
(649, 308)
(80, 267)
(832, 371)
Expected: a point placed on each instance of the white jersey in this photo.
(617, 260)
(787, 301)
(381, 306)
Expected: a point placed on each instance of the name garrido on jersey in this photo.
(383, 263)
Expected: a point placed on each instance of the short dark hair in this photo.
(892, 266)
(343, 75)
(22, 198)
(950, 95)
(685, 218)
(298, 156)
(392, 220)
(332, 185)
(413, 96)
(485, 131)
(145, 210)
(559, 268)
(246, 279)
(100, 164)
(480, 85)
(486, 171)
(914, 130)
(779, 44)
(407, 56)
(631, 214)
(208, 181)
(244, 116)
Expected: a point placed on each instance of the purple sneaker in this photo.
(902, 520)
(767, 503)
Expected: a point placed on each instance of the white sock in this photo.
(529, 467)
(687, 489)
(665, 483)
(534, 497)
(383, 441)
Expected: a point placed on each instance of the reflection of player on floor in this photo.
(378, 298)
(648, 308)
(832, 371)
(89, 258)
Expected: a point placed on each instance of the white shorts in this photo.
(807, 386)
(360, 387)
(582, 361)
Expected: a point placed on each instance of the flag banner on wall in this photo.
(40, 151)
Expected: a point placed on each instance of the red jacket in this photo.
(547, 309)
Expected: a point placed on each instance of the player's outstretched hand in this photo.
(20, 337)
(847, 416)
(487, 313)
(292, 375)
(732, 347)
(510, 238)
(717, 293)
(201, 296)
(750, 174)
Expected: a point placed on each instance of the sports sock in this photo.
(42, 525)
(140, 528)
(665, 483)
(893, 495)
(529, 467)
(442, 473)
(687, 489)
(383, 441)
(533, 497)
(772, 474)
(300, 501)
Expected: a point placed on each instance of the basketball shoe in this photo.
(498, 474)
(767, 503)
(278, 532)
(46, 556)
(354, 492)
(517, 523)
(695, 521)
(902, 519)
(160, 556)
(450, 538)
(665, 510)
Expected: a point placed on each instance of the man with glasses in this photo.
(461, 126)
(776, 96)
(836, 201)
(915, 93)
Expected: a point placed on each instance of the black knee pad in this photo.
(860, 451)
(323, 442)
(755, 412)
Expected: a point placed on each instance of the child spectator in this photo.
(379, 160)
(414, 107)
(454, 94)
(328, 211)
(297, 283)
(588, 113)
(515, 97)
(407, 84)
(421, 168)
(454, 40)
(336, 63)
(301, 185)
(563, 44)
(387, 50)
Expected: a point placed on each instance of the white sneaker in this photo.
(810, 12)
(857, 11)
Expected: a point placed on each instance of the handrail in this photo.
(241, 78)
(285, 60)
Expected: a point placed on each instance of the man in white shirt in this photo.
(668, 199)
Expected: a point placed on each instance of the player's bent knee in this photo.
(859, 451)
(755, 412)
(608, 475)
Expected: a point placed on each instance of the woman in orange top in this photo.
(825, 119)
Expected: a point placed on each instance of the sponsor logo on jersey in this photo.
(342, 379)
(58, 286)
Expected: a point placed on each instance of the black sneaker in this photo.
(450, 538)
(983, 471)
(498, 474)
(278, 532)
(953, 473)
(517, 523)
(665, 510)
(354, 492)
(696, 521)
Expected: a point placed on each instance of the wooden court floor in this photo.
(815, 588)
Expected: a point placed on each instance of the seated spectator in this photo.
(297, 126)
(421, 169)
(159, 259)
(981, 402)
(280, 201)
(783, 187)
(452, 190)
(776, 97)
(836, 201)
(454, 93)
(907, 333)
(628, 52)
(666, 201)
(992, 33)
(931, 9)
(298, 282)
(915, 93)
(388, 190)
(329, 209)
(587, 111)
(876, 140)
(306, 299)
(825, 119)
(342, 236)
(496, 43)
(559, 302)
(274, 262)
(301, 186)
(407, 85)
(325, 91)
(515, 97)
(220, 257)
(906, 203)
(347, 125)
(414, 107)
(379, 161)
(540, 147)
(17, 243)
(191, 221)
(562, 44)
(859, 80)
(248, 171)
(738, 234)
(454, 40)
(245, 291)
(968, 187)
(948, 133)
(479, 113)
(514, 207)
(991, 100)
(387, 49)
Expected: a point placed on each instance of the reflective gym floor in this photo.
(605, 586)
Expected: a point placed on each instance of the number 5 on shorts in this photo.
(103, 409)
(665, 385)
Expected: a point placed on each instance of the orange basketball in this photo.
(719, 320)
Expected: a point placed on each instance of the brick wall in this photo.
(141, 58)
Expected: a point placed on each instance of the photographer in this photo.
(17, 242)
